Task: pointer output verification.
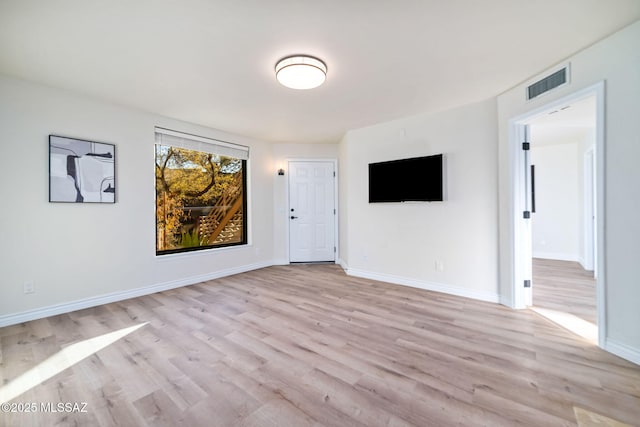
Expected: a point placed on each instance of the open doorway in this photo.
(562, 154)
(555, 195)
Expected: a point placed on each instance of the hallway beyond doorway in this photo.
(565, 293)
(564, 286)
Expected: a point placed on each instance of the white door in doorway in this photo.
(527, 249)
(311, 211)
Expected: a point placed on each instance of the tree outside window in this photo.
(200, 200)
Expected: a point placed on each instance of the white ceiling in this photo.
(211, 61)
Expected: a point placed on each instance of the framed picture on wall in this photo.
(81, 171)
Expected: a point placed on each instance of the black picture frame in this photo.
(81, 171)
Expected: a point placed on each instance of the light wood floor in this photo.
(564, 286)
(307, 345)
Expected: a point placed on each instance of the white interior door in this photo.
(311, 211)
(527, 250)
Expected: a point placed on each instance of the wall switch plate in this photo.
(29, 287)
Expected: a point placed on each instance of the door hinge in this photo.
(526, 146)
(527, 283)
(526, 214)
(334, 211)
(334, 249)
(334, 174)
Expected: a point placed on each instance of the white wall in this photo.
(556, 224)
(401, 242)
(91, 252)
(558, 152)
(616, 61)
(343, 205)
(281, 154)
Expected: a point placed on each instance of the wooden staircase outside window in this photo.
(225, 221)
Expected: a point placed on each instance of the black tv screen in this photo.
(418, 179)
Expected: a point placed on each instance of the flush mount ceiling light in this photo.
(301, 72)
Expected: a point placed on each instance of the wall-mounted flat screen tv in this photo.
(418, 179)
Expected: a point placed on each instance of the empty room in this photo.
(294, 213)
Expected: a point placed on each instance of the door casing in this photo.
(520, 227)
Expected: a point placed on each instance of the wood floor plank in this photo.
(306, 345)
(564, 286)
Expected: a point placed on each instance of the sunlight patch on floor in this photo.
(586, 418)
(578, 326)
(60, 361)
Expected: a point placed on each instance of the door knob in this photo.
(293, 217)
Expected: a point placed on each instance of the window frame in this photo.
(244, 240)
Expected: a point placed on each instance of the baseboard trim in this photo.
(584, 265)
(429, 286)
(68, 307)
(622, 350)
(506, 301)
(557, 256)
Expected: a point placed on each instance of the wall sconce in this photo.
(280, 171)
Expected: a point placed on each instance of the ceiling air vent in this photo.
(550, 82)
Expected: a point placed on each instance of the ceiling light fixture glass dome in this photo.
(301, 72)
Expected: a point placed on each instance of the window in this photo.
(201, 197)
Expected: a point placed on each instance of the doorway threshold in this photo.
(572, 323)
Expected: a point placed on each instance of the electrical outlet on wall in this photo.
(439, 266)
(29, 287)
